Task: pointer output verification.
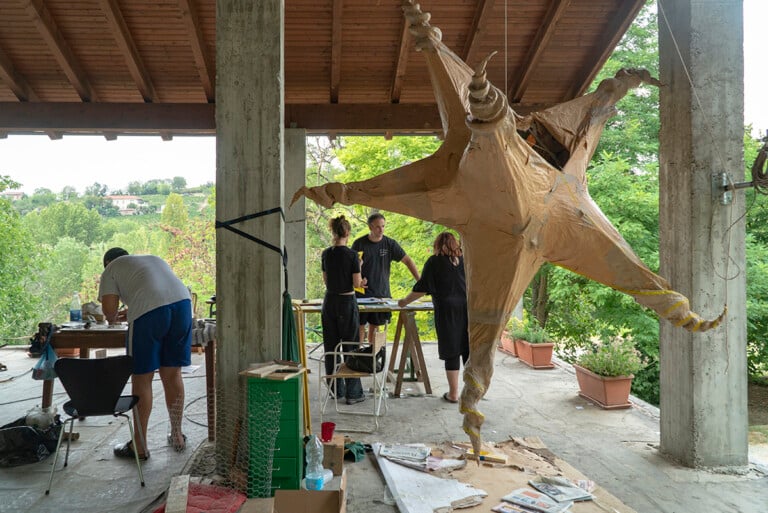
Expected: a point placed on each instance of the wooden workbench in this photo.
(114, 337)
(406, 328)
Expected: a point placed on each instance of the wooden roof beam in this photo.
(128, 48)
(202, 60)
(75, 117)
(482, 16)
(375, 118)
(168, 119)
(336, 50)
(615, 30)
(520, 79)
(19, 86)
(58, 46)
(15, 81)
(401, 64)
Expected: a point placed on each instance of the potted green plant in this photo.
(532, 344)
(605, 372)
(507, 340)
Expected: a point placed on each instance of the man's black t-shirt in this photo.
(339, 264)
(377, 257)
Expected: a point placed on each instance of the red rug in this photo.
(211, 499)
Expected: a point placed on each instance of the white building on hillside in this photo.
(126, 204)
(12, 195)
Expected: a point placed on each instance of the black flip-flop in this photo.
(178, 448)
(126, 451)
(452, 401)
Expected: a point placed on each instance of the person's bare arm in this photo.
(357, 281)
(109, 305)
(408, 261)
(413, 296)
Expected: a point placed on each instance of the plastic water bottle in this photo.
(313, 451)
(75, 309)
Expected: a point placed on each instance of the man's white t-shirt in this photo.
(143, 282)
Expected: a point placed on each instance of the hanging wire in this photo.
(506, 50)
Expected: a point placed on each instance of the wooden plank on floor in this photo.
(177, 495)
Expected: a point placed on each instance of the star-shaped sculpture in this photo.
(515, 207)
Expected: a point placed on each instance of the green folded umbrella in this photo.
(290, 347)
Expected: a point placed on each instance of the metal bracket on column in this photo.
(723, 187)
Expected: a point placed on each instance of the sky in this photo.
(80, 161)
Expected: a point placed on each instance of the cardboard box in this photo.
(333, 454)
(331, 499)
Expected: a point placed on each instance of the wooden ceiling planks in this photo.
(349, 64)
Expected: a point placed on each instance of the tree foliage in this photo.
(64, 219)
(50, 252)
(17, 272)
(175, 214)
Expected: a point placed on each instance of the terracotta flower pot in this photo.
(538, 356)
(607, 392)
(508, 344)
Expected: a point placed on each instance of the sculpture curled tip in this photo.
(484, 63)
(486, 102)
(704, 325)
(425, 36)
(479, 87)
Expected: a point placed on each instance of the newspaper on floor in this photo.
(535, 500)
(560, 489)
(417, 456)
(410, 452)
(508, 507)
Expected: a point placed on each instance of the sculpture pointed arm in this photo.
(611, 261)
(578, 124)
(403, 190)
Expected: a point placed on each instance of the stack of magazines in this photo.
(552, 495)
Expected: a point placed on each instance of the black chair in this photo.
(94, 387)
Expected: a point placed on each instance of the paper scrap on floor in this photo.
(418, 456)
(536, 501)
(415, 491)
(562, 489)
(528, 459)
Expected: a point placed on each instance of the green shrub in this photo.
(616, 356)
(528, 331)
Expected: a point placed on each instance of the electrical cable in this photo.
(759, 176)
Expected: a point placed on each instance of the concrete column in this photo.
(295, 218)
(703, 375)
(249, 179)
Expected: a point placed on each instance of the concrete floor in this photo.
(616, 449)
(94, 481)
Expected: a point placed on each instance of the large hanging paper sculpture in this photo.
(514, 207)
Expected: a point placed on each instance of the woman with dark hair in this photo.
(443, 278)
(340, 315)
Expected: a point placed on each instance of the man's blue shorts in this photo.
(161, 338)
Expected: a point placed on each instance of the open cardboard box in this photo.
(333, 454)
(331, 499)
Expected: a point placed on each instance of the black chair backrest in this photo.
(94, 385)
